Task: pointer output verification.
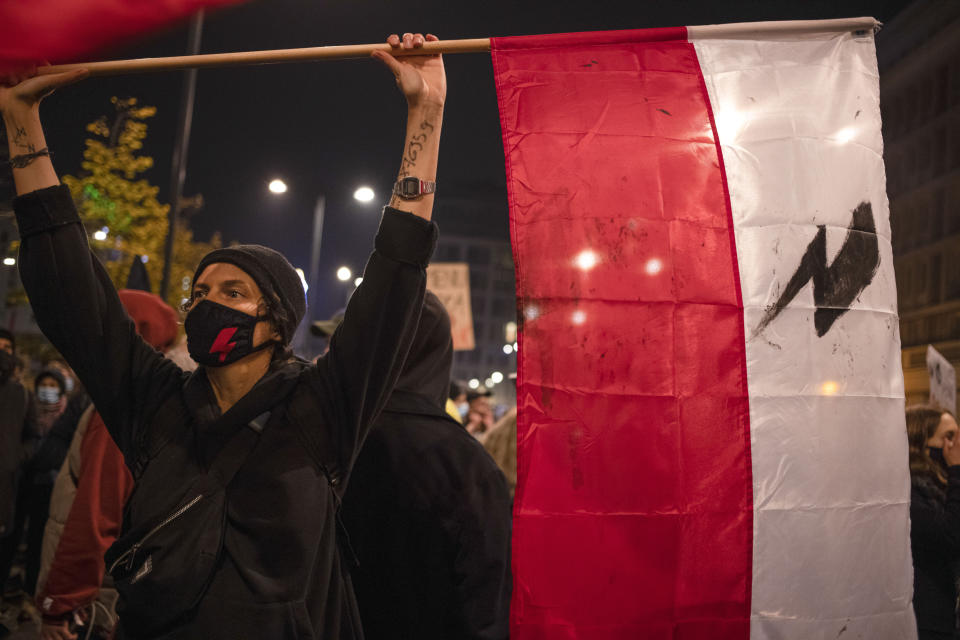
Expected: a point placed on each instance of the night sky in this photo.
(330, 127)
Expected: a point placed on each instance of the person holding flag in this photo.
(231, 530)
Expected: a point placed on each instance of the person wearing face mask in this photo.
(33, 495)
(260, 560)
(934, 519)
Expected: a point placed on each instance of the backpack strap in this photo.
(305, 415)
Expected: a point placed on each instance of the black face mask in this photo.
(936, 454)
(218, 335)
(8, 364)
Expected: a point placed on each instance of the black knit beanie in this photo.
(273, 274)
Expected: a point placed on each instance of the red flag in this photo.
(633, 504)
(62, 30)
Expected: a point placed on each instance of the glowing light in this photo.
(515, 347)
(9, 261)
(488, 383)
(578, 317)
(277, 186)
(829, 388)
(344, 274)
(845, 135)
(531, 312)
(510, 332)
(497, 377)
(729, 124)
(303, 280)
(474, 383)
(508, 349)
(586, 260)
(357, 281)
(100, 235)
(653, 266)
(364, 194)
(144, 259)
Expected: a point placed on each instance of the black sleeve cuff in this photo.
(44, 209)
(405, 237)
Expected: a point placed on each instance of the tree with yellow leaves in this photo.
(121, 211)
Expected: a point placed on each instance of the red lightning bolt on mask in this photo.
(222, 344)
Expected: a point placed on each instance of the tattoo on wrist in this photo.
(20, 139)
(24, 160)
(414, 147)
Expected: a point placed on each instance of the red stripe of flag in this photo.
(633, 514)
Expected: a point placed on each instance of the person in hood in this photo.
(260, 560)
(427, 511)
(934, 519)
(86, 507)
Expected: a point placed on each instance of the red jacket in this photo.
(92, 526)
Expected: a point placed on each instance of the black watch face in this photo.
(411, 187)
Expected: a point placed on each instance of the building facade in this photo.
(919, 57)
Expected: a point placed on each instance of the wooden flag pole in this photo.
(274, 56)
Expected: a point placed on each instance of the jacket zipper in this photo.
(131, 553)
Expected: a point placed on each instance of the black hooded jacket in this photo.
(428, 511)
(280, 574)
(935, 542)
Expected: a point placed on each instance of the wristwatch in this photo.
(409, 188)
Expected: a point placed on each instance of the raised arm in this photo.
(73, 299)
(20, 96)
(424, 84)
(369, 349)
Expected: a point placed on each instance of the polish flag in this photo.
(60, 30)
(711, 434)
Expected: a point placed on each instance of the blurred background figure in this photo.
(479, 412)
(33, 490)
(14, 407)
(457, 405)
(325, 328)
(427, 511)
(501, 443)
(934, 519)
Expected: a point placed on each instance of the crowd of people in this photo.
(255, 493)
(258, 494)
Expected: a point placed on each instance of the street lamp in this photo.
(361, 194)
(344, 274)
(364, 194)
